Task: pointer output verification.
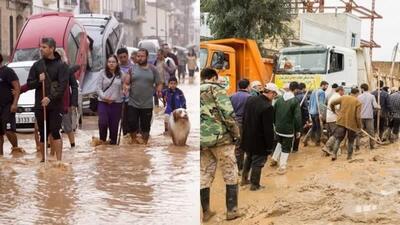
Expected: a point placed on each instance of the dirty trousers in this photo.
(224, 156)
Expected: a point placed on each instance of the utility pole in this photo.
(58, 5)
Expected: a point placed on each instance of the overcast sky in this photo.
(387, 29)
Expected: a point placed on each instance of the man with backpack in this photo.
(166, 69)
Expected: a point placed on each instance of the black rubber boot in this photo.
(205, 204)
(335, 149)
(349, 151)
(255, 178)
(245, 172)
(232, 202)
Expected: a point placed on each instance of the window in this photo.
(77, 33)
(203, 57)
(215, 61)
(353, 40)
(11, 34)
(336, 62)
(72, 49)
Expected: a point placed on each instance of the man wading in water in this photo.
(54, 73)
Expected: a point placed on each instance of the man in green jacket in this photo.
(287, 126)
(219, 132)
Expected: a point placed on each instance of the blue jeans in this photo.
(316, 128)
(109, 116)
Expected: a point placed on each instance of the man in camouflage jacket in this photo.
(218, 134)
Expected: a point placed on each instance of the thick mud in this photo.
(127, 184)
(317, 191)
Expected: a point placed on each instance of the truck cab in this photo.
(235, 59)
(312, 64)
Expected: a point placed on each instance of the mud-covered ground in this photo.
(127, 184)
(317, 191)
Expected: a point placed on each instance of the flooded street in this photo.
(127, 184)
(317, 191)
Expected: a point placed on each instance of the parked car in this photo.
(25, 116)
(66, 31)
(106, 35)
(152, 46)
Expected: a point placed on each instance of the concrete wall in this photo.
(329, 29)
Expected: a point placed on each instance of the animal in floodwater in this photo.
(179, 126)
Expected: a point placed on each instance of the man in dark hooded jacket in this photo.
(258, 134)
(54, 73)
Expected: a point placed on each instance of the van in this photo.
(64, 29)
(106, 35)
(152, 46)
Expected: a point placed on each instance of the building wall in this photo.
(151, 25)
(12, 18)
(40, 6)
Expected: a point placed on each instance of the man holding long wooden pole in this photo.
(48, 76)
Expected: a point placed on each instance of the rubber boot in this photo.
(335, 149)
(232, 202)
(255, 178)
(283, 163)
(329, 145)
(349, 151)
(277, 153)
(246, 171)
(205, 204)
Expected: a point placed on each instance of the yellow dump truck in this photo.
(235, 59)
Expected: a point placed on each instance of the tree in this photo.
(253, 19)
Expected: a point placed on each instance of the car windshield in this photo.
(97, 52)
(30, 54)
(311, 61)
(22, 73)
(203, 57)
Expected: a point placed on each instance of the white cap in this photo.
(255, 83)
(271, 87)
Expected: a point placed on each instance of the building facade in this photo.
(13, 14)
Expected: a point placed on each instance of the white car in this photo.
(25, 117)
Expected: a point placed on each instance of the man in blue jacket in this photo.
(316, 109)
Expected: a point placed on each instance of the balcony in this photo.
(23, 2)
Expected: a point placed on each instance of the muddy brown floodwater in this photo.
(317, 191)
(127, 184)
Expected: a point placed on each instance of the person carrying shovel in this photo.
(48, 76)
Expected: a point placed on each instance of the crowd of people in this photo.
(127, 90)
(240, 131)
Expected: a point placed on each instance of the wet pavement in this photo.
(317, 191)
(127, 184)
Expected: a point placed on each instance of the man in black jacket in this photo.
(258, 134)
(54, 73)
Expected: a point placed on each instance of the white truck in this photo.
(328, 48)
(314, 63)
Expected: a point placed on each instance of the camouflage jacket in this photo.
(217, 118)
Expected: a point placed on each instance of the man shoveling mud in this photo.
(348, 121)
(51, 72)
(9, 83)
